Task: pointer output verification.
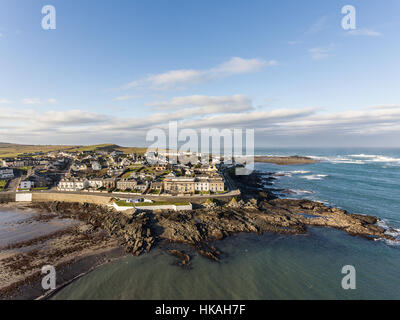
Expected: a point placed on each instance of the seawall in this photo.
(64, 197)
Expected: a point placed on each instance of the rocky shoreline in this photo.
(290, 160)
(256, 211)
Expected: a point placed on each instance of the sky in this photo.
(113, 70)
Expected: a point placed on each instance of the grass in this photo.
(160, 203)
(2, 184)
(123, 203)
(41, 188)
(25, 169)
(11, 150)
(127, 174)
(203, 192)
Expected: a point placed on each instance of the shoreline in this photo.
(71, 249)
(256, 211)
(285, 161)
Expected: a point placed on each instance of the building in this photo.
(96, 166)
(125, 184)
(115, 171)
(202, 184)
(156, 186)
(217, 184)
(17, 163)
(6, 173)
(95, 183)
(26, 184)
(109, 183)
(79, 166)
(72, 184)
(179, 185)
(125, 162)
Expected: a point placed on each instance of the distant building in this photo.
(27, 184)
(96, 166)
(78, 166)
(95, 183)
(179, 185)
(6, 173)
(115, 171)
(72, 184)
(125, 184)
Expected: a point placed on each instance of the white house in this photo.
(96, 166)
(72, 184)
(95, 183)
(6, 173)
(27, 184)
(202, 184)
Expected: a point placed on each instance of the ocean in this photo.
(274, 266)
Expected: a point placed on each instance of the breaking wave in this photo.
(315, 177)
(359, 159)
(395, 233)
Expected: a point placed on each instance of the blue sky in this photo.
(112, 70)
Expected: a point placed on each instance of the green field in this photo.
(160, 203)
(11, 150)
(123, 203)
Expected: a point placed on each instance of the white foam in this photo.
(395, 233)
(300, 192)
(315, 177)
(358, 159)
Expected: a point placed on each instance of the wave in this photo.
(301, 192)
(395, 233)
(289, 173)
(358, 159)
(315, 177)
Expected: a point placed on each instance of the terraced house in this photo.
(6, 173)
(176, 185)
(125, 184)
(72, 184)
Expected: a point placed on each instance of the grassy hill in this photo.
(14, 150)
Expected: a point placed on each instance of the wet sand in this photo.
(30, 239)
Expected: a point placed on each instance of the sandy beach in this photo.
(43, 238)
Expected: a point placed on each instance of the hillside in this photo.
(14, 150)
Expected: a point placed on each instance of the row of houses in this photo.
(23, 162)
(176, 185)
(77, 184)
(31, 162)
(6, 173)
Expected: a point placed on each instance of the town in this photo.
(114, 171)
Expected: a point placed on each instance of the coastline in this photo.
(257, 211)
(285, 161)
(72, 249)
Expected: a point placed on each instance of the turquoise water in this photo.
(280, 266)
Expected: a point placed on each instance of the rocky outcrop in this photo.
(256, 212)
(134, 232)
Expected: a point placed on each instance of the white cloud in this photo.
(198, 112)
(364, 32)
(320, 53)
(5, 101)
(124, 98)
(216, 103)
(385, 106)
(318, 26)
(31, 101)
(36, 101)
(294, 42)
(235, 65)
